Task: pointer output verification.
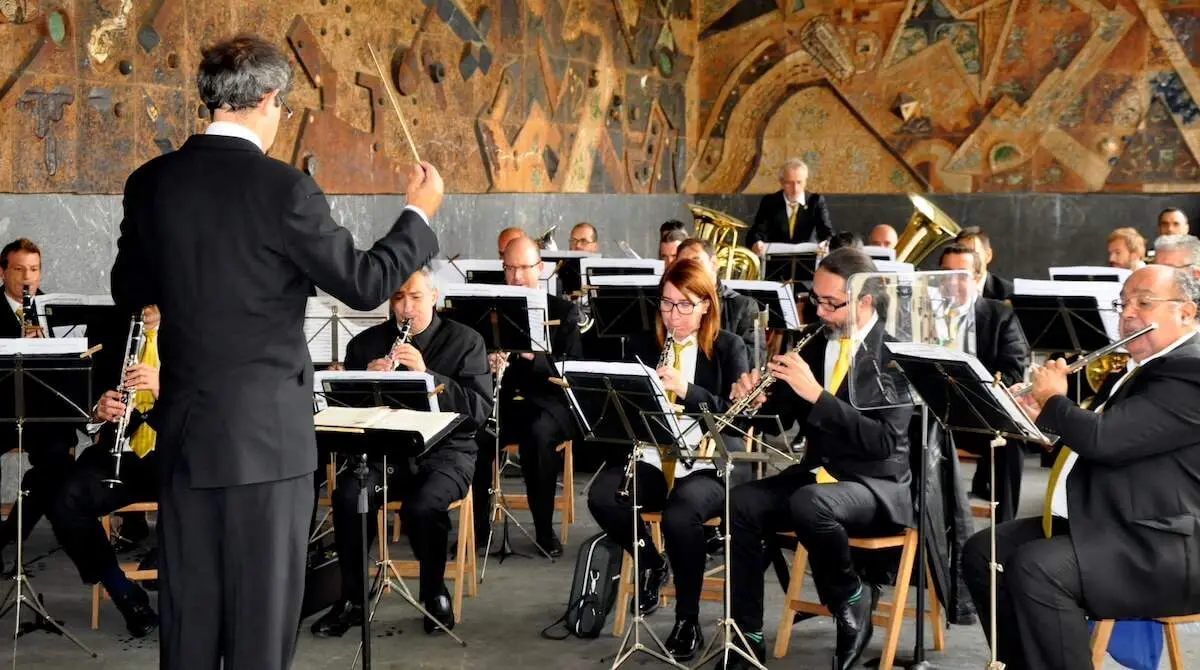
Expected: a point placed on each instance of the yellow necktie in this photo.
(842, 366)
(1055, 473)
(792, 222)
(142, 441)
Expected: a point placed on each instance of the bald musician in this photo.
(884, 236)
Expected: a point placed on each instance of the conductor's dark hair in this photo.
(668, 226)
(20, 244)
(239, 72)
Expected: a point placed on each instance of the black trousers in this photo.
(1041, 620)
(1010, 469)
(231, 573)
(537, 435)
(694, 499)
(50, 462)
(74, 511)
(425, 495)
(822, 515)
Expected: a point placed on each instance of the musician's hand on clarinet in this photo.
(142, 377)
(33, 332)
(110, 407)
(425, 188)
(380, 365)
(792, 369)
(673, 381)
(497, 361)
(744, 385)
(1049, 380)
(408, 356)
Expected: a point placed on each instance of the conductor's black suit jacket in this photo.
(771, 221)
(229, 243)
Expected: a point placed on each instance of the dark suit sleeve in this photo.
(872, 435)
(134, 277)
(468, 388)
(1161, 418)
(733, 361)
(325, 251)
(743, 327)
(823, 226)
(1012, 351)
(760, 229)
(357, 352)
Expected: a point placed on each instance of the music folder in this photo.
(401, 389)
(382, 432)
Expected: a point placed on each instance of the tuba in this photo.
(721, 231)
(928, 228)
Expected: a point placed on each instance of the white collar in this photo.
(230, 129)
(800, 202)
(860, 334)
(1132, 365)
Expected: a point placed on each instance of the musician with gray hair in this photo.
(791, 214)
(1178, 251)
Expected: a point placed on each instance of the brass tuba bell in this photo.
(721, 231)
(928, 228)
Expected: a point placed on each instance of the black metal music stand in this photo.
(83, 320)
(566, 268)
(503, 322)
(961, 397)
(45, 388)
(790, 267)
(367, 445)
(493, 277)
(604, 403)
(1062, 324)
(623, 312)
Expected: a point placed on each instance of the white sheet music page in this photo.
(1118, 275)
(785, 301)
(1105, 292)
(428, 424)
(785, 249)
(324, 316)
(45, 346)
(536, 305)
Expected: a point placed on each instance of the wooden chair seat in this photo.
(564, 502)
(462, 569)
(891, 615)
(130, 569)
(1102, 632)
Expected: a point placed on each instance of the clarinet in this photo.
(27, 322)
(134, 345)
(663, 359)
(405, 334)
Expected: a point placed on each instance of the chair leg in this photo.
(935, 612)
(460, 559)
(472, 558)
(891, 642)
(624, 595)
(396, 527)
(96, 597)
(1101, 633)
(1173, 651)
(783, 635)
(568, 510)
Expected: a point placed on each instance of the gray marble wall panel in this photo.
(1030, 231)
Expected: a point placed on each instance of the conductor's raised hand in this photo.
(425, 188)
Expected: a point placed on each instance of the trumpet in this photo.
(663, 359)
(402, 339)
(546, 241)
(1084, 361)
(134, 345)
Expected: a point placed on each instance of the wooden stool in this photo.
(712, 590)
(130, 569)
(891, 615)
(563, 502)
(462, 569)
(1102, 632)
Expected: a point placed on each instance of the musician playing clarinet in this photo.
(457, 358)
(854, 478)
(698, 363)
(95, 488)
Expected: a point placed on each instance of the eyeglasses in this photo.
(515, 268)
(684, 307)
(1142, 303)
(581, 240)
(828, 303)
(283, 103)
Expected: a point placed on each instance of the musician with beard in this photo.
(457, 358)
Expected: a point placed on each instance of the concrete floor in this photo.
(501, 626)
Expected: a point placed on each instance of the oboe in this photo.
(134, 345)
(27, 322)
(663, 359)
(405, 333)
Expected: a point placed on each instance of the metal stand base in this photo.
(501, 506)
(384, 580)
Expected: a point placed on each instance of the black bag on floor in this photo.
(593, 589)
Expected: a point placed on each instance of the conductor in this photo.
(229, 243)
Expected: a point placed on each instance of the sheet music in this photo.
(428, 424)
(323, 376)
(930, 352)
(880, 253)
(34, 346)
(624, 369)
(785, 301)
(894, 266)
(784, 249)
(548, 255)
(463, 266)
(586, 265)
(97, 300)
(446, 271)
(625, 280)
(1119, 275)
(536, 305)
(320, 325)
(1105, 292)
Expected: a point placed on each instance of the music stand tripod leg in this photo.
(994, 567)
(501, 505)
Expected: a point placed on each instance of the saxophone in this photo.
(627, 481)
(134, 345)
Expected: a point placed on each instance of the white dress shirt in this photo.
(833, 348)
(692, 432)
(16, 304)
(1058, 500)
(792, 206)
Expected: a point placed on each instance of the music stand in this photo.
(368, 434)
(624, 307)
(962, 396)
(624, 403)
(1070, 324)
(566, 268)
(791, 263)
(329, 326)
(511, 320)
(55, 369)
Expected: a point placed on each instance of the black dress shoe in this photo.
(140, 619)
(854, 628)
(737, 662)
(551, 544)
(442, 610)
(650, 587)
(340, 618)
(685, 640)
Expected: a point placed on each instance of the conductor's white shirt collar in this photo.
(229, 129)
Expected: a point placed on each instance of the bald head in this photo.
(508, 235)
(1158, 294)
(883, 235)
(522, 263)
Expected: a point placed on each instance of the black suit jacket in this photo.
(865, 446)
(771, 221)
(997, 288)
(999, 341)
(1133, 496)
(714, 376)
(229, 243)
(530, 379)
(10, 325)
(457, 358)
(737, 316)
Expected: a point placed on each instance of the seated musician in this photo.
(884, 236)
(668, 245)
(738, 311)
(1118, 535)
(584, 238)
(702, 363)
(456, 357)
(1172, 221)
(791, 214)
(999, 343)
(47, 444)
(1126, 249)
(993, 286)
(88, 491)
(854, 478)
(1178, 251)
(507, 235)
(533, 410)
